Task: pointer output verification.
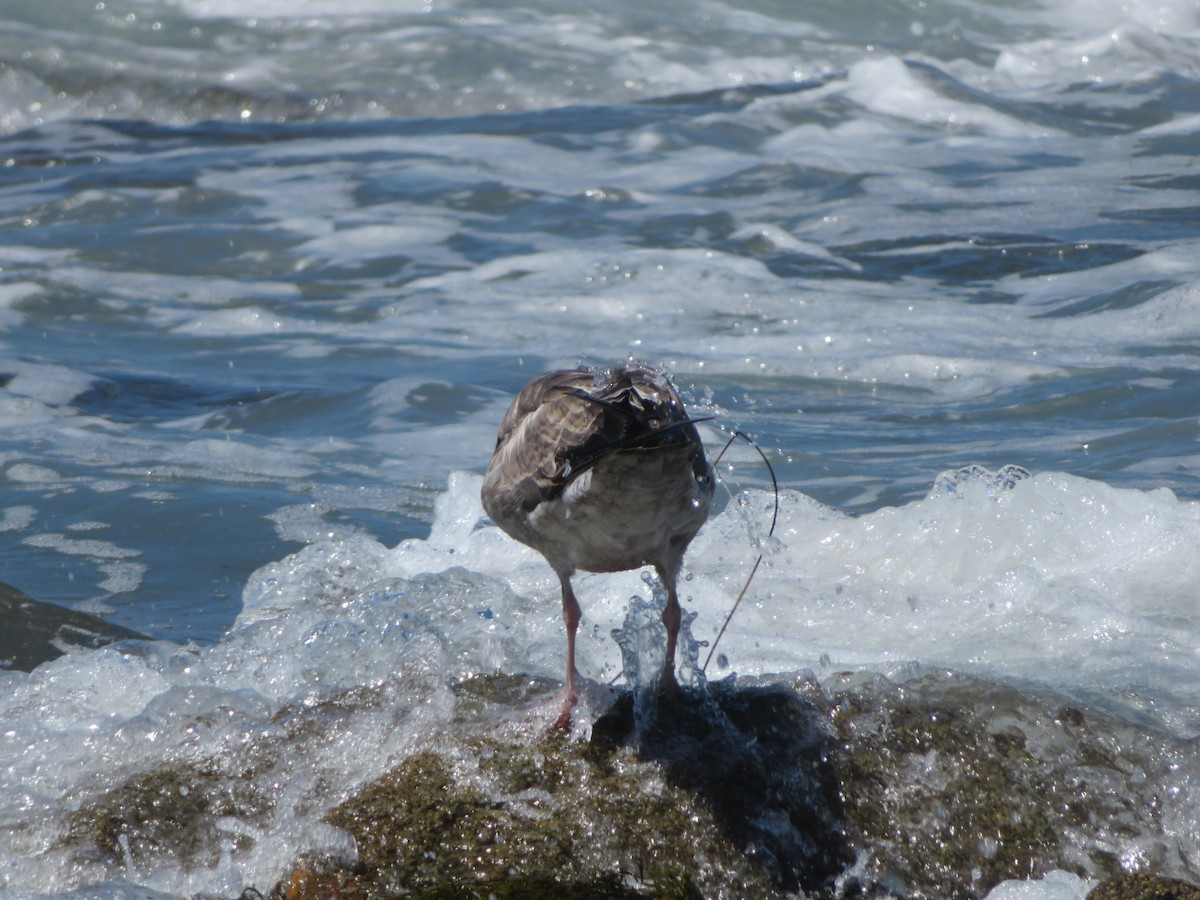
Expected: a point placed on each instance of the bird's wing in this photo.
(537, 437)
(564, 422)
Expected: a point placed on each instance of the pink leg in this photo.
(571, 615)
(671, 618)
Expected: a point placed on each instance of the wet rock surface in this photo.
(579, 819)
(1142, 886)
(1145, 887)
(757, 758)
(953, 784)
(941, 786)
(34, 632)
(172, 812)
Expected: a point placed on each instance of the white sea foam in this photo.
(1053, 886)
(16, 518)
(45, 382)
(887, 86)
(76, 547)
(266, 9)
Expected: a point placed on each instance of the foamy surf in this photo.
(1043, 582)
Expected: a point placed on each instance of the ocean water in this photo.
(271, 272)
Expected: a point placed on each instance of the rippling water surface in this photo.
(271, 272)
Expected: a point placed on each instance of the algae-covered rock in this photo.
(189, 814)
(940, 786)
(1144, 886)
(539, 817)
(727, 794)
(171, 812)
(953, 784)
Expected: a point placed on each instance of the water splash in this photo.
(642, 638)
(959, 481)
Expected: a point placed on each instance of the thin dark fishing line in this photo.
(757, 562)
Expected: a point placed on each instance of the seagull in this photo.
(601, 469)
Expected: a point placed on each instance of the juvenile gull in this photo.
(601, 470)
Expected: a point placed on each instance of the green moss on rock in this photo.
(1144, 886)
(954, 784)
(172, 812)
(564, 827)
(936, 787)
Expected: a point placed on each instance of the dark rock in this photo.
(36, 632)
(1143, 886)
(757, 757)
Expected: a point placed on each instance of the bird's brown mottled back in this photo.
(601, 469)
